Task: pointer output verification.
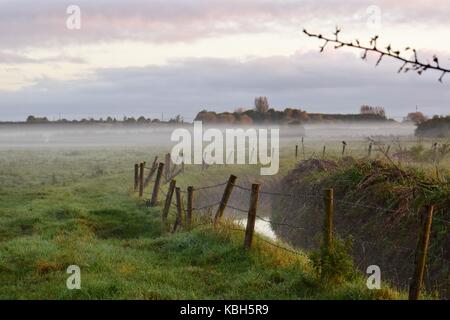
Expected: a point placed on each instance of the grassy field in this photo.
(60, 207)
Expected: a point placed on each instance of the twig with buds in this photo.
(409, 64)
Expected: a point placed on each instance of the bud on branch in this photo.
(409, 64)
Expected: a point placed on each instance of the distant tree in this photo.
(141, 120)
(239, 110)
(296, 115)
(177, 119)
(378, 111)
(129, 120)
(109, 120)
(226, 117)
(261, 104)
(416, 117)
(33, 119)
(245, 119)
(206, 116)
(437, 127)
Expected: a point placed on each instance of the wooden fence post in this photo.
(157, 184)
(328, 226)
(151, 173)
(182, 162)
(141, 179)
(421, 254)
(167, 166)
(303, 149)
(370, 150)
(249, 231)
(179, 217)
(190, 205)
(136, 177)
(296, 152)
(344, 144)
(226, 196)
(168, 202)
(323, 152)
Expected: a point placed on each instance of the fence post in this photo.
(179, 210)
(151, 173)
(328, 226)
(141, 179)
(421, 254)
(303, 149)
(249, 231)
(296, 152)
(226, 196)
(168, 202)
(370, 150)
(344, 144)
(167, 166)
(182, 162)
(190, 205)
(155, 193)
(136, 177)
(323, 152)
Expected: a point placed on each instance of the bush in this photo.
(335, 266)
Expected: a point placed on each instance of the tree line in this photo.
(263, 113)
(108, 120)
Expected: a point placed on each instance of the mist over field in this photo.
(34, 136)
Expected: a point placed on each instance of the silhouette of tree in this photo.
(261, 104)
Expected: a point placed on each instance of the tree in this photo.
(261, 104)
(141, 120)
(416, 117)
(33, 119)
(206, 116)
(378, 111)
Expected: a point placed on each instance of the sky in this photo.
(162, 58)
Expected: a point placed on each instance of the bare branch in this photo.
(408, 63)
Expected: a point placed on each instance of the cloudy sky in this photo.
(134, 57)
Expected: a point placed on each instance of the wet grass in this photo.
(75, 207)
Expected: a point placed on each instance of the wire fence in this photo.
(297, 207)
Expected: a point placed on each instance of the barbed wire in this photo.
(283, 224)
(237, 209)
(212, 186)
(206, 206)
(241, 187)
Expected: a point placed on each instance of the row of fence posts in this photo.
(344, 146)
(369, 150)
(328, 233)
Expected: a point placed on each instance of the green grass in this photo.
(65, 207)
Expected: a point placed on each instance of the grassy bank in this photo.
(65, 207)
(378, 204)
